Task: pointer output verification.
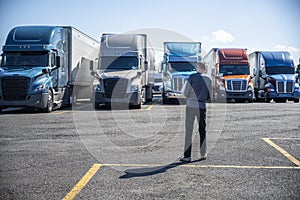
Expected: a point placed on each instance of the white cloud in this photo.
(286, 48)
(222, 36)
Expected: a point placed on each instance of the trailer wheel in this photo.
(49, 106)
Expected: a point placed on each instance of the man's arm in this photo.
(209, 93)
(187, 88)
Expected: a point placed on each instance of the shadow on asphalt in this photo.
(149, 171)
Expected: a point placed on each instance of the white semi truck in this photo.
(125, 72)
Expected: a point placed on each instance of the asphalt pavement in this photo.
(121, 153)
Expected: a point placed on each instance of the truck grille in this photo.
(115, 87)
(178, 83)
(284, 86)
(236, 85)
(15, 88)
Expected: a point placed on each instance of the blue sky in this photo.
(255, 25)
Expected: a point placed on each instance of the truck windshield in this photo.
(183, 66)
(28, 59)
(234, 70)
(122, 62)
(280, 70)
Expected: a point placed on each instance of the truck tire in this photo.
(295, 101)
(49, 106)
(149, 93)
(267, 100)
(144, 95)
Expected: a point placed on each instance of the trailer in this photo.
(125, 73)
(275, 76)
(230, 72)
(180, 59)
(42, 64)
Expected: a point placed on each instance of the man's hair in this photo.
(201, 65)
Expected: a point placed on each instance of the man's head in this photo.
(201, 68)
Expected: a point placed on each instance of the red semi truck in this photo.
(229, 69)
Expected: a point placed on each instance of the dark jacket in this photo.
(198, 90)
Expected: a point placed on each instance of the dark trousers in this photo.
(190, 115)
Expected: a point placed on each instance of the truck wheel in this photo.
(149, 95)
(49, 106)
(144, 93)
(165, 100)
(296, 100)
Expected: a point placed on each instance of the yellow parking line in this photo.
(61, 112)
(93, 170)
(149, 108)
(284, 138)
(85, 179)
(286, 154)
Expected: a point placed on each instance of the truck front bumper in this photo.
(235, 95)
(32, 100)
(133, 98)
(275, 95)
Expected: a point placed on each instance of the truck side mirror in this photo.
(57, 61)
(146, 65)
(260, 73)
(91, 65)
(46, 71)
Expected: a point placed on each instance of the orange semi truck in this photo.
(229, 70)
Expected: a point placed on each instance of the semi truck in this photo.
(275, 76)
(125, 73)
(178, 64)
(40, 66)
(229, 70)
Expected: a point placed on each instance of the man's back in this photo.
(198, 90)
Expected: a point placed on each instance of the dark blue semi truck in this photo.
(275, 76)
(41, 65)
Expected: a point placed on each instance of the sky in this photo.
(256, 25)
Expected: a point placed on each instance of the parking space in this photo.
(254, 155)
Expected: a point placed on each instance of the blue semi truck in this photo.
(275, 76)
(41, 66)
(179, 63)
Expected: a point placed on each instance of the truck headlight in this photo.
(97, 88)
(221, 87)
(134, 88)
(270, 90)
(250, 88)
(39, 88)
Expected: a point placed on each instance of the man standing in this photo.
(197, 92)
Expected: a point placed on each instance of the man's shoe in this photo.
(186, 159)
(203, 157)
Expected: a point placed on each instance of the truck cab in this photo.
(125, 73)
(31, 58)
(180, 59)
(230, 72)
(276, 77)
